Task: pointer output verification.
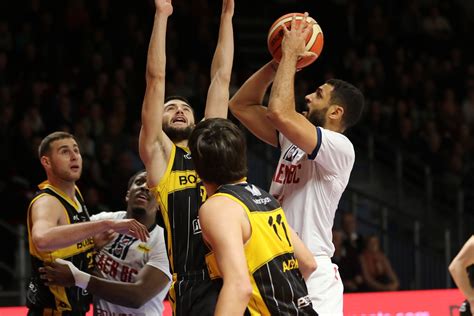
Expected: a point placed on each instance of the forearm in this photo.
(221, 70)
(282, 96)
(253, 90)
(66, 235)
(232, 300)
(124, 294)
(156, 57)
(461, 278)
(152, 109)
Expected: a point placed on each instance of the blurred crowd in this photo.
(79, 65)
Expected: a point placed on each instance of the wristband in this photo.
(81, 278)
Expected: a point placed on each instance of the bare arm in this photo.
(458, 267)
(154, 146)
(246, 104)
(223, 231)
(306, 262)
(221, 68)
(150, 281)
(51, 231)
(282, 108)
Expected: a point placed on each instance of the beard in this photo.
(317, 117)
(178, 134)
(138, 212)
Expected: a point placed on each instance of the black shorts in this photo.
(195, 295)
(465, 309)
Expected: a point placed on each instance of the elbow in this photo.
(42, 243)
(274, 115)
(243, 290)
(308, 268)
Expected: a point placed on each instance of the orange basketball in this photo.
(314, 41)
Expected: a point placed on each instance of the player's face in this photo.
(139, 196)
(318, 104)
(177, 115)
(65, 160)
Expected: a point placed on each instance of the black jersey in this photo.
(180, 194)
(57, 300)
(278, 287)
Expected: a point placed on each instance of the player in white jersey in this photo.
(316, 158)
(133, 277)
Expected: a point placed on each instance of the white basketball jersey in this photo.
(122, 259)
(309, 186)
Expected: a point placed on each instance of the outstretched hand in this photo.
(228, 7)
(57, 274)
(164, 6)
(294, 39)
(131, 227)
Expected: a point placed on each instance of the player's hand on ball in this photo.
(294, 40)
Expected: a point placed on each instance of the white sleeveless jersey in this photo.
(122, 259)
(309, 186)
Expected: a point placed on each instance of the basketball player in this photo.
(171, 176)
(59, 227)
(316, 158)
(458, 269)
(144, 266)
(252, 244)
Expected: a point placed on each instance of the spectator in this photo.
(376, 268)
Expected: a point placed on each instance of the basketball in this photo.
(314, 41)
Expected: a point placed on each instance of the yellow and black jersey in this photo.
(56, 300)
(180, 194)
(278, 287)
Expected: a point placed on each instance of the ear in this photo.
(336, 112)
(127, 196)
(45, 162)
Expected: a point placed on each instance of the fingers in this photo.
(138, 231)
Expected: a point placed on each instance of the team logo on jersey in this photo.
(75, 218)
(196, 226)
(303, 301)
(120, 246)
(187, 156)
(253, 189)
(293, 154)
(144, 248)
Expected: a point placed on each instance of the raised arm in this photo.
(50, 231)
(154, 146)
(221, 68)
(247, 104)
(457, 268)
(282, 108)
(223, 232)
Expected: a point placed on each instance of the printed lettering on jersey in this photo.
(290, 264)
(303, 301)
(120, 246)
(187, 156)
(184, 179)
(110, 267)
(196, 226)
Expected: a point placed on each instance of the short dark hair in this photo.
(181, 98)
(45, 145)
(218, 148)
(132, 178)
(350, 98)
(178, 97)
